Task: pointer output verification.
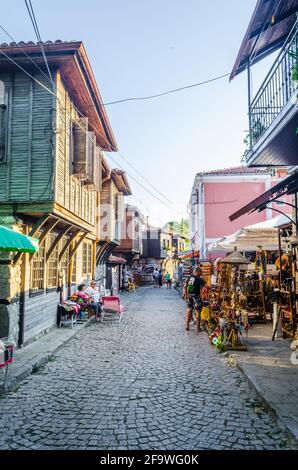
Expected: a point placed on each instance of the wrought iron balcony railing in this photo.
(278, 88)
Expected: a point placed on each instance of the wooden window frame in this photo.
(39, 269)
(87, 259)
(4, 116)
(52, 265)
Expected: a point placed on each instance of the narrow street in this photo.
(142, 384)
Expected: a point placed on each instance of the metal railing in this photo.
(277, 89)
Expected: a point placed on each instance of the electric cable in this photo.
(23, 50)
(175, 90)
(37, 32)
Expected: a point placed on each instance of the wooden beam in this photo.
(39, 224)
(76, 245)
(69, 241)
(53, 222)
(56, 241)
(34, 229)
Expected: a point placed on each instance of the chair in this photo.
(111, 304)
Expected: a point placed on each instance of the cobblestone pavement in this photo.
(142, 384)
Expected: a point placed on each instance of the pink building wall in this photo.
(225, 195)
(222, 199)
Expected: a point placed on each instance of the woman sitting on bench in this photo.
(85, 301)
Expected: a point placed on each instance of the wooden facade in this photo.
(111, 214)
(130, 247)
(50, 181)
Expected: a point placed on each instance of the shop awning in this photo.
(287, 186)
(116, 260)
(270, 24)
(189, 254)
(250, 238)
(11, 241)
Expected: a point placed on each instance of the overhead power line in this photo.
(24, 52)
(144, 178)
(109, 156)
(175, 90)
(37, 32)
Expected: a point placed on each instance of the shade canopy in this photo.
(189, 254)
(11, 241)
(271, 23)
(251, 238)
(116, 260)
(285, 187)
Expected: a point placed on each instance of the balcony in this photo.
(273, 113)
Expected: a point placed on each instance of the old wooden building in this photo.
(111, 216)
(131, 245)
(51, 168)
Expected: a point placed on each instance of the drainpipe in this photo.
(249, 90)
(201, 227)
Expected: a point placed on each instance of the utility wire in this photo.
(23, 50)
(88, 136)
(175, 90)
(54, 94)
(27, 73)
(143, 177)
(36, 29)
(141, 185)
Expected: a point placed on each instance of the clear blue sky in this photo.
(141, 47)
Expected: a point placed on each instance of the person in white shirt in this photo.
(93, 292)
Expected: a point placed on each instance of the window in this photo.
(52, 265)
(87, 259)
(3, 122)
(71, 149)
(37, 270)
(74, 269)
(64, 261)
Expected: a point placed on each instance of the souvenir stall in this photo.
(224, 314)
(260, 243)
(244, 290)
(287, 266)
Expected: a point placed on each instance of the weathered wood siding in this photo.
(70, 193)
(40, 314)
(107, 211)
(27, 173)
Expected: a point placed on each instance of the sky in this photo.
(143, 47)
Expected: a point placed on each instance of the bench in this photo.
(111, 304)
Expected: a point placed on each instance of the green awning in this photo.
(13, 241)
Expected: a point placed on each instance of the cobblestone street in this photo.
(142, 384)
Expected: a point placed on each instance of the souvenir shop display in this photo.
(224, 315)
(287, 266)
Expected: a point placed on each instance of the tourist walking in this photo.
(155, 277)
(160, 278)
(168, 280)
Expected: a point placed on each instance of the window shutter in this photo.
(3, 122)
(90, 158)
(98, 170)
(120, 207)
(80, 148)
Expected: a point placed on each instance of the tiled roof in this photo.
(236, 170)
(32, 43)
